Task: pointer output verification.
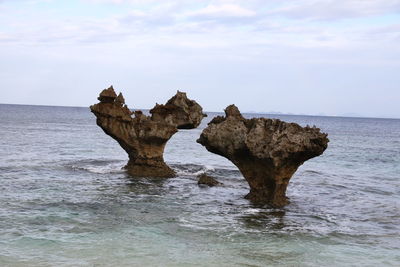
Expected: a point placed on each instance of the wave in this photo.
(312, 172)
(104, 166)
(98, 166)
(194, 170)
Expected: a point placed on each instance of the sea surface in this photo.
(65, 200)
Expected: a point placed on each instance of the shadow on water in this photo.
(271, 219)
(145, 185)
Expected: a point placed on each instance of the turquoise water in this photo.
(64, 200)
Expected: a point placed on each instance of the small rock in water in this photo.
(204, 179)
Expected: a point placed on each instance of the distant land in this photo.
(320, 114)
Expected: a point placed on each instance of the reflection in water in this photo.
(273, 219)
(148, 186)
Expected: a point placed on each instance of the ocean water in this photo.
(64, 200)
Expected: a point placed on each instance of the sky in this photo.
(330, 57)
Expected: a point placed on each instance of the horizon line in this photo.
(244, 112)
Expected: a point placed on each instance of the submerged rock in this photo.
(181, 111)
(266, 151)
(204, 179)
(142, 137)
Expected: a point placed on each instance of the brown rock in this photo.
(266, 151)
(107, 95)
(120, 99)
(142, 137)
(204, 179)
(179, 110)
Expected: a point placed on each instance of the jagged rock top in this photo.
(233, 111)
(262, 138)
(180, 111)
(112, 105)
(120, 99)
(107, 95)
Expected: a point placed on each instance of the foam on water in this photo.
(98, 166)
(65, 199)
(192, 169)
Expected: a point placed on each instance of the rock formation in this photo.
(266, 151)
(204, 179)
(142, 137)
(179, 110)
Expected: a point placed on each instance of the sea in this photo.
(65, 199)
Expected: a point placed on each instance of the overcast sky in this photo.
(330, 57)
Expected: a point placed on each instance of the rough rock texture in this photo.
(181, 111)
(266, 151)
(204, 179)
(142, 137)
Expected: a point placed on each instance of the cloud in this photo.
(337, 9)
(387, 32)
(214, 22)
(145, 20)
(221, 11)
